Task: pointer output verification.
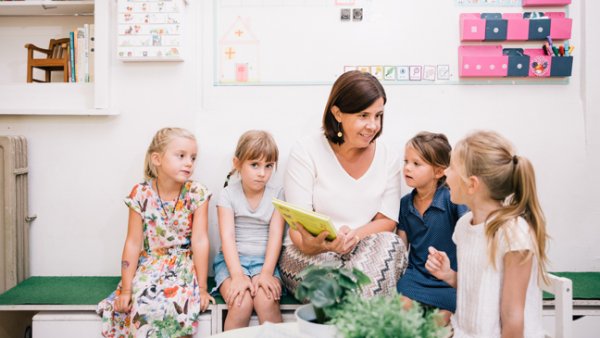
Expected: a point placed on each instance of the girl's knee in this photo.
(243, 308)
(263, 302)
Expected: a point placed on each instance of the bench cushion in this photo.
(68, 290)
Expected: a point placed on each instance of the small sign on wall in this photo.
(150, 30)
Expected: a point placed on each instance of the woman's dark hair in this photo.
(352, 93)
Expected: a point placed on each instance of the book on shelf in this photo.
(72, 56)
(81, 50)
(313, 222)
(91, 52)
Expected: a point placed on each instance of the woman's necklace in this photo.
(162, 205)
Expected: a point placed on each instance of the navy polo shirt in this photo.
(434, 228)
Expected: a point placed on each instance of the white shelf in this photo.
(49, 99)
(46, 8)
(60, 98)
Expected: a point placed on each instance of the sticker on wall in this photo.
(443, 72)
(415, 73)
(429, 73)
(402, 73)
(239, 54)
(149, 30)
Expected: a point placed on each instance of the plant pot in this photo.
(305, 314)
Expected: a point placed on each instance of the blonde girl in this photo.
(164, 265)
(501, 243)
(427, 218)
(251, 234)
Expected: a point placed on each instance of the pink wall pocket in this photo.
(482, 61)
(494, 61)
(527, 3)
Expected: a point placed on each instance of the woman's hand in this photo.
(312, 245)
(237, 288)
(438, 264)
(123, 302)
(351, 241)
(269, 283)
(205, 299)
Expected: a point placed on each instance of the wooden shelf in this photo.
(46, 8)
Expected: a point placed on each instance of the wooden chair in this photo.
(56, 58)
(562, 289)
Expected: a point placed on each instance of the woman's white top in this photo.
(315, 180)
(479, 283)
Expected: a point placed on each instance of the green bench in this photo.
(82, 294)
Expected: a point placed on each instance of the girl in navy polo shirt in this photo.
(427, 218)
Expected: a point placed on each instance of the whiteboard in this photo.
(310, 42)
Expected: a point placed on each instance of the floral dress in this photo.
(165, 295)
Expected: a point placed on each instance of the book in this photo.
(72, 56)
(91, 52)
(80, 54)
(313, 222)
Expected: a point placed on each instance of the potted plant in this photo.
(386, 316)
(326, 288)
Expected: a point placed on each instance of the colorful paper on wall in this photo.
(149, 30)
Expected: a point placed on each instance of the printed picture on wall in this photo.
(149, 30)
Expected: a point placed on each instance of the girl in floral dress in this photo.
(164, 265)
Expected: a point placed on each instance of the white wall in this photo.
(81, 167)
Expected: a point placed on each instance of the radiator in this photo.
(14, 220)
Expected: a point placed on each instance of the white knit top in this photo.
(479, 284)
(316, 180)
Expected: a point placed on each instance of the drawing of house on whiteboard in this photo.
(238, 54)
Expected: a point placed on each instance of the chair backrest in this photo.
(59, 48)
(562, 289)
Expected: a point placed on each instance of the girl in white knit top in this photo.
(500, 244)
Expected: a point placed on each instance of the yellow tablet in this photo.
(313, 222)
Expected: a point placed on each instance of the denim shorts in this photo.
(251, 266)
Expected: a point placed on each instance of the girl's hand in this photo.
(269, 283)
(123, 302)
(205, 299)
(237, 288)
(314, 245)
(438, 264)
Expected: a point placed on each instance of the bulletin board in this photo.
(311, 42)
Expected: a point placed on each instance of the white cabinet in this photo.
(24, 21)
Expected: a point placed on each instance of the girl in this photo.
(165, 260)
(427, 218)
(500, 244)
(251, 233)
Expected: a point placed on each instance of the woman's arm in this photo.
(200, 250)
(517, 272)
(299, 181)
(129, 260)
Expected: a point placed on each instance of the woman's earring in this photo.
(339, 134)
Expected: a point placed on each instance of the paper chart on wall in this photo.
(311, 42)
(150, 30)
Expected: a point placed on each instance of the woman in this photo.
(345, 174)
